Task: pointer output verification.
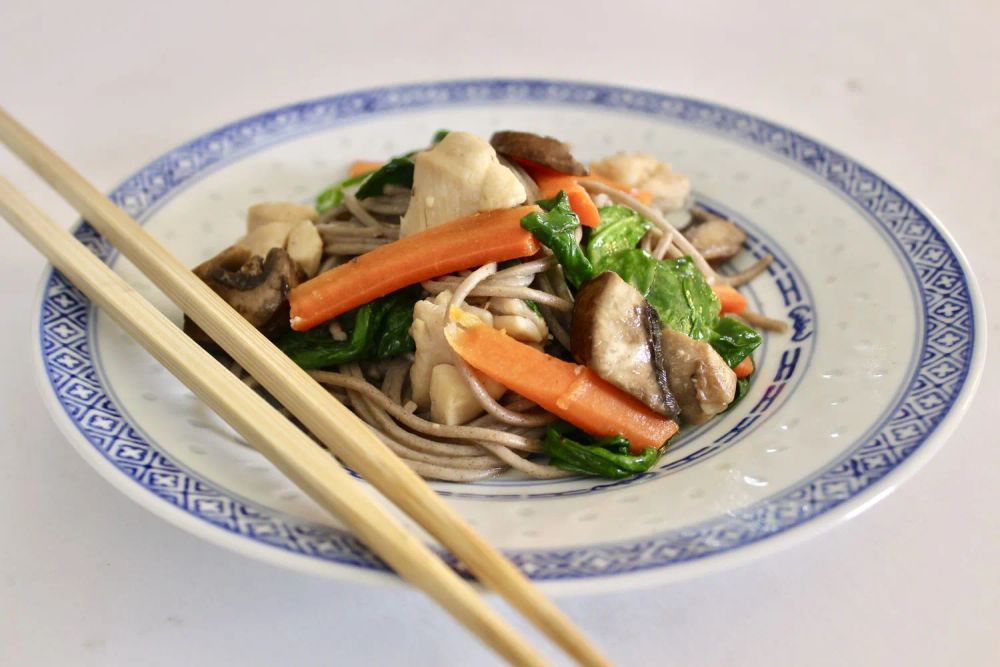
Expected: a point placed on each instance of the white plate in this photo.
(885, 351)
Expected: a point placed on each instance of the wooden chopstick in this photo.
(330, 421)
(289, 449)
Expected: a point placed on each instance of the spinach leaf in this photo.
(381, 330)
(621, 228)
(439, 135)
(742, 387)
(683, 299)
(733, 340)
(554, 228)
(393, 337)
(333, 196)
(397, 171)
(574, 451)
(316, 348)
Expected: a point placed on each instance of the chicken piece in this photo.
(305, 246)
(518, 320)
(700, 379)
(432, 349)
(452, 402)
(282, 211)
(265, 237)
(461, 175)
(670, 190)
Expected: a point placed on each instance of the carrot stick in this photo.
(579, 199)
(574, 393)
(494, 236)
(731, 300)
(744, 368)
(362, 167)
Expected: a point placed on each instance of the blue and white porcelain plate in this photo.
(885, 349)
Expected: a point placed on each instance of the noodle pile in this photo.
(508, 432)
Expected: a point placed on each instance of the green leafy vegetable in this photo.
(333, 196)
(393, 337)
(733, 340)
(533, 306)
(683, 299)
(573, 450)
(381, 330)
(554, 228)
(397, 171)
(742, 387)
(621, 228)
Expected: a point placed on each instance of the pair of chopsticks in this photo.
(310, 467)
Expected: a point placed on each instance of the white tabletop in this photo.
(910, 89)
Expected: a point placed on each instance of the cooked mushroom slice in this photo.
(616, 333)
(257, 288)
(278, 211)
(461, 175)
(717, 239)
(700, 379)
(535, 148)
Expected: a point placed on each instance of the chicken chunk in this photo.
(433, 351)
(670, 190)
(700, 379)
(261, 214)
(518, 320)
(461, 175)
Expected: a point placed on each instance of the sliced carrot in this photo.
(572, 392)
(550, 182)
(744, 368)
(494, 236)
(362, 167)
(579, 199)
(642, 195)
(731, 300)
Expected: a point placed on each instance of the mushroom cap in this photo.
(545, 151)
(257, 288)
(616, 333)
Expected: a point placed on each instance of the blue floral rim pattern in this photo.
(946, 351)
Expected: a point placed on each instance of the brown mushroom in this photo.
(256, 287)
(700, 379)
(545, 151)
(717, 239)
(616, 333)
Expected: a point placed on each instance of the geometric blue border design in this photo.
(944, 298)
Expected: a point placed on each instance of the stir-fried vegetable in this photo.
(570, 391)
(333, 196)
(364, 167)
(684, 301)
(575, 451)
(381, 331)
(397, 171)
(555, 228)
(733, 340)
(621, 229)
(744, 369)
(730, 299)
(550, 185)
(465, 243)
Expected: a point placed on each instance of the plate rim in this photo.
(786, 537)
